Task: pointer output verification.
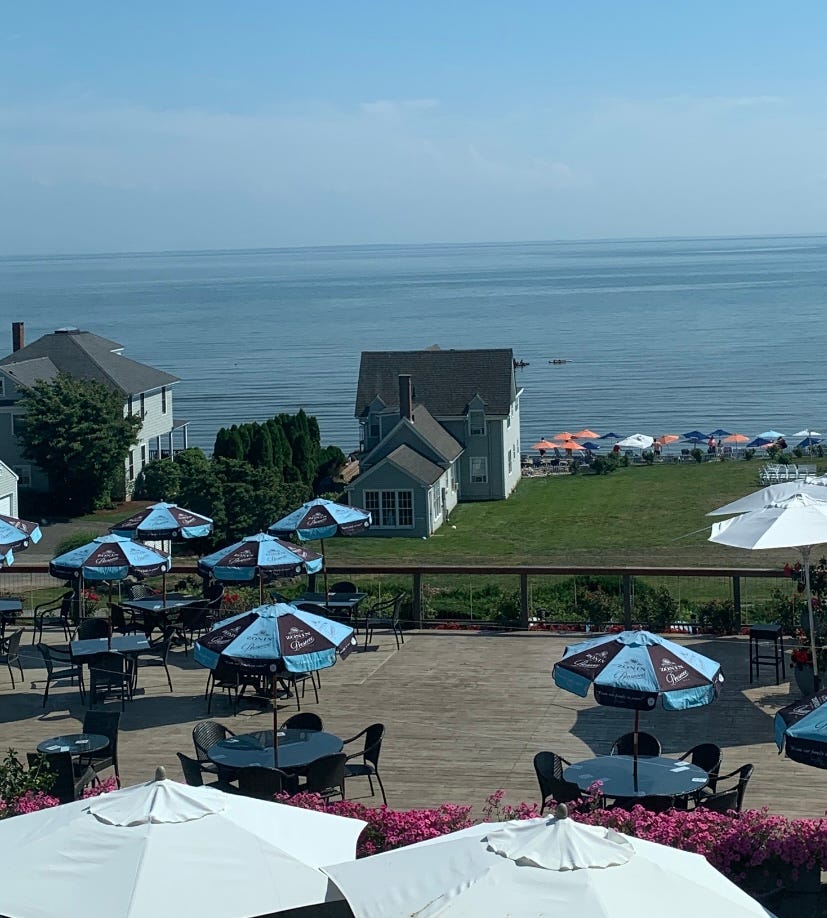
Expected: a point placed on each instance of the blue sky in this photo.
(220, 125)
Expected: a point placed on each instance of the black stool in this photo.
(766, 633)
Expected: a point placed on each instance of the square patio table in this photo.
(340, 602)
(8, 609)
(127, 644)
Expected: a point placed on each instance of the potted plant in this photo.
(801, 663)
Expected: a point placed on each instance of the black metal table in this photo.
(8, 609)
(83, 651)
(339, 602)
(155, 606)
(656, 776)
(297, 748)
(74, 743)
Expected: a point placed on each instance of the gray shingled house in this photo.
(146, 392)
(437, 427)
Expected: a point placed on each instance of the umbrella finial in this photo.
(561, 811)
(160, 773)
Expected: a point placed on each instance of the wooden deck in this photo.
(465, 713)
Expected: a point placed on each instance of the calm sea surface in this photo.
(660, 336)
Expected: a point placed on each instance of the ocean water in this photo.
(659, 336)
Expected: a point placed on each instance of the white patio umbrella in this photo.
(636, 441)
(797, 522)
(163, 848)
(539, 867)
(814, 487)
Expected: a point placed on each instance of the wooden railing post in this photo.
(416, 599)
(627, 601)
(524, 601)
(736, 601)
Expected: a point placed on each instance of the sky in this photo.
(180, 125)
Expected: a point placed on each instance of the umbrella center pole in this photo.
(805, 554)
(635, 750)
(274, 681)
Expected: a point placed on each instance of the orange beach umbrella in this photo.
(565, 435)
(585, 434)
(735, 438)
(544, 444)
(666, 439)
(570, 446)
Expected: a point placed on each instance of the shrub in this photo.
(697, 454)
(656, 609)
(716, 615)
(75, 540)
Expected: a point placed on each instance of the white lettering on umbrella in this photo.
(592, 659)
(297, 639)
(673, 672)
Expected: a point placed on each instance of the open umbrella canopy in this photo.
(808, 442)
(808, 433)
(633, 669)
(259, 556)
(585, 434)
(736, 439)
(539, 867)
(814, 488)
(563, 435)
(164, 521)
(798, 521)
(590, 446)
(543, 445)
(720, 433)
(16, 534)
(801, 729)
(276, 633)
(695, 436)
(164, 848)
(636, 441)
(666, 439)
(610, 436)
(760, 442)
(110, 557)
(770, 435)
(570, 446)
(322, 519)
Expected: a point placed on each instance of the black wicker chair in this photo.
(92, 628)
(326, 776)
(343, 586)
(71, 670)
(110, 675)
(104, 723)
(264, 783)
(57, 613)
(647, 745)
(707, 756)
(369, 754)
(156, 656)
(385, 616)
(733, 797)
(306, 720)
(193, 776)
(226, 678)
(10, 653)
(122, 622)
(553, 787)
(207, 733)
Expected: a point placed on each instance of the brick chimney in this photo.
(405, 397)
(18, 336)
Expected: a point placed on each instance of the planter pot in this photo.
(804, 677)
(809, 881)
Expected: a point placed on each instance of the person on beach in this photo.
(781, 443)
(616, 449)
(656, 448)
(710, 446)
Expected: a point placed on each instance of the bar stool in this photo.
(765, 634)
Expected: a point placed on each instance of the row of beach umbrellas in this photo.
(589, 440)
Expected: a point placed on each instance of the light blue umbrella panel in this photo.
(164, 521)
(16, 534)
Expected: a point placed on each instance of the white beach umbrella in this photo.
(636, 441)
(808, 433)
(539, 867)
(815, 487)
(797, 522)
(164, 848)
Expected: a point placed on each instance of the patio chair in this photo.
(10, 653)
(193, 776)
(104, 723)
(369, 754)
(226, 678)
(56, 612)
(647, 745)
(553, 787)
(304, 721)
(205, 734)
(122, 621)
(385, 616)
(70, 779)
(155, 656)
(193, 622)
(707, 756)
(110, 674)
(326, 776)
(264, 783)
(93, 628)
(344, 586)
(71, 670)
(721, 801)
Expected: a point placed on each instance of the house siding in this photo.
(8, 491)
(391, 478)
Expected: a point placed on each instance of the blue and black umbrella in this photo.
(16, 534)
(696, 436)
(801, 730)
(633, 669)
(164, 521)
(322, 519)
(259, 557)
(274, 637)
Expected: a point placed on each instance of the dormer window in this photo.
(476, 423)
(374, 428)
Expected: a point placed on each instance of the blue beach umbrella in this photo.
(720, 432)
(322, 519)
(164, 521)
(633, 669)
(808, 442)
(611, 436)
(770, 435)
(801, 730)
(760, 442)
(590, 446)
(274, 636)
(16, 534)
(695, 436)
(259, 557)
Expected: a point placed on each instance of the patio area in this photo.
(465, 713)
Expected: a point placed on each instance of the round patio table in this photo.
(74, 743)
(656, 776)
(297, 748)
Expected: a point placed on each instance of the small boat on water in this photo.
(519, 364)
(559, 360)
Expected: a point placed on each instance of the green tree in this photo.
(159, 479)
(261, 448)
(228, 443)
(76, 431)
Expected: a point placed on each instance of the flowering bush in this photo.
(387, 828)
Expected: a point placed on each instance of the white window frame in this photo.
(474, 416)
(24, 474)
(387, 501)
(479, 469)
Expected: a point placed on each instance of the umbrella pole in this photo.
(109, 617)
(324, 571)
(634, 750)
(275, 720)
(805, 554)
(260, 588)
(164, 588)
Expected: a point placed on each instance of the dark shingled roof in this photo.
(414, 464)
(28, 372)
(445, 381)
(86, 356)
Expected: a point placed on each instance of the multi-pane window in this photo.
(143, 405)
(476, 423)
(18, 424)
(390, 509)
(479, 469)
